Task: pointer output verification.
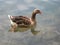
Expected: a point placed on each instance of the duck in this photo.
(24, 22)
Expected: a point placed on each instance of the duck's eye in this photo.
(38, 11)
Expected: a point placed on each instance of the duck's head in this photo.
(37, 11)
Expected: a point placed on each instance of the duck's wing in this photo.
(21, 20)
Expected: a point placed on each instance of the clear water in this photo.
(48, 23)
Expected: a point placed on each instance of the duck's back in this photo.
(21, 21)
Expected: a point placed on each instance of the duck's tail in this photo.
(9, 16)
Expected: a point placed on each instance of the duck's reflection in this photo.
(33, 31)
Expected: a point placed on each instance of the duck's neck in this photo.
(33, 16)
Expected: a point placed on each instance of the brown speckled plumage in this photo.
(21, 20)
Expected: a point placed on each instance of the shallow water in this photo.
(48, 23)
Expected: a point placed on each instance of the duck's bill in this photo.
(40, 12)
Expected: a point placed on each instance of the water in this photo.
(48, 23)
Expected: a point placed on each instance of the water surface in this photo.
(48, 23)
